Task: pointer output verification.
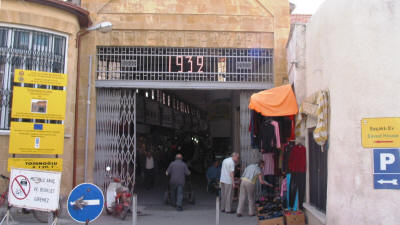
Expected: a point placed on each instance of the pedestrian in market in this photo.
(149, 172)
(177, 171)
(248, 186)
(227, 182)
(213, 175)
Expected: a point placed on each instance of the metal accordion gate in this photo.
(115, 136)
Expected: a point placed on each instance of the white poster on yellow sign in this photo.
(34, 189)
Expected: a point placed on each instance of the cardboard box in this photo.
(295, 218)
(276, 221)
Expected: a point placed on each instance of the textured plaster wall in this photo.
(45, 17)
(182, 23)
(353, 50)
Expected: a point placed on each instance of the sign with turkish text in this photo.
(380, 132)
(40, 77)
(33, 189)
(387, 168)
(36, 138)
(35, 103)
(48, 164)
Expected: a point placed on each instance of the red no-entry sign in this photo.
(20, 187)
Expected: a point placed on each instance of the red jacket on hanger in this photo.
(297, 159)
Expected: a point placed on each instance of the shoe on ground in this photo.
(222, 211)
(230, 212)
(239, 215)
(179, 208)
(251, 215)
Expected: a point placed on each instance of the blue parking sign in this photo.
(85, 203)
(387, 168)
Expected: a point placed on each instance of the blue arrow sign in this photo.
(85, 203)
(387, 181)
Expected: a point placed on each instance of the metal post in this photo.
(88, 115)
(217, 211)
(50, 220)
(134, 209)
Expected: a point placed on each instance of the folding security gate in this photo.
(115, 136)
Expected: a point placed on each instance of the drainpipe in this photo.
(103, 27)
(79, 35)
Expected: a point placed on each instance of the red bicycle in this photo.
(39, 215)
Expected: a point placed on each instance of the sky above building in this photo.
(306, 6)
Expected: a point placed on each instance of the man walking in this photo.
(227, 181)
(177, 171)
(248, 185)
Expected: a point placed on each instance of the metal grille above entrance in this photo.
(175, 68)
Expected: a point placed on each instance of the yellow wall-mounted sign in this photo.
(49, 164)
(36, 138)
(35, 103)
(40, 77)
(380, 132)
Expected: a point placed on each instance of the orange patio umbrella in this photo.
(279, 101)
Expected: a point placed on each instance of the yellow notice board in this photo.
(49, 164)
(380, 132)
(39, 77)
(36, 138)
(35, 103)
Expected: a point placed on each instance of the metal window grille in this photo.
(26, 49)
(185, 64)
(318, 163)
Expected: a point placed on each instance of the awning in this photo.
(279, 101)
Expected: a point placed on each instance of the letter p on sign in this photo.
(386, 159)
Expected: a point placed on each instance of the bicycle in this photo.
(40, 216)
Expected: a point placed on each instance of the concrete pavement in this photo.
(155, 212)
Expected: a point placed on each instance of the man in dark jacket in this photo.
(177, 171)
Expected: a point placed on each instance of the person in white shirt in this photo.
(227, 182)
(149, 171)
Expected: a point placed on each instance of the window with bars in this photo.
(318, 164)
(30, 50)
(185, 64)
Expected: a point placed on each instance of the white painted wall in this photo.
(296, 50)
(353, 49)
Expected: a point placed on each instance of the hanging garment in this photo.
(286, 155)
(267, 136)
(297, 184)
(297, 159)
(269, 164)
(321, 130)
(277, 134)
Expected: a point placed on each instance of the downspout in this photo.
(78, 44)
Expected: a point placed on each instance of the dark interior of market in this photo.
(196, 124)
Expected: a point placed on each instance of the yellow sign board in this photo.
(36, 138)
(380, 132)
(49, 164)
(39, 77)
(35, 103)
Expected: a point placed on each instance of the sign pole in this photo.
(134, 209)
(217, 211)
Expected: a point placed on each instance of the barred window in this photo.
(30, 50)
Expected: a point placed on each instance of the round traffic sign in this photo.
(85, 203)
(20, 187)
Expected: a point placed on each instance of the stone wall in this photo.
(32, 16)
